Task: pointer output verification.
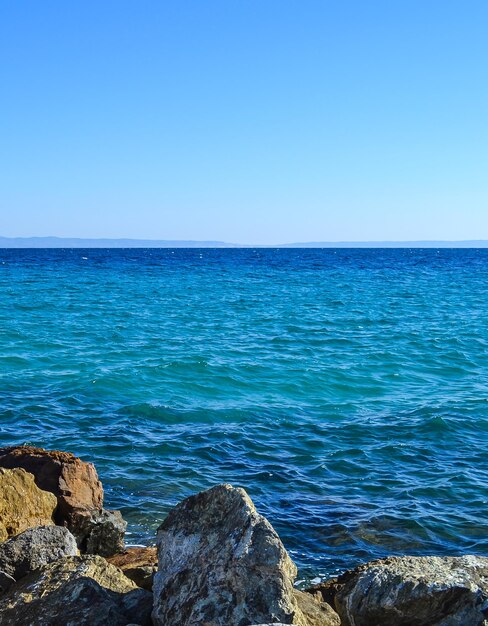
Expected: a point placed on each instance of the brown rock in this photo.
(138, 564)
(73, 481)
(22, 504)
(79, 496)
(316, 613)
(325, 591)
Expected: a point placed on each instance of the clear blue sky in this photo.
(258, 121)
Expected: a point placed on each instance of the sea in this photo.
(345, 389)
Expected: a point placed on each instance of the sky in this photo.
(247, 121)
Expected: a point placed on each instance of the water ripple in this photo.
(346, 390)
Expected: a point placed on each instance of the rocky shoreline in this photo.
(217, 562)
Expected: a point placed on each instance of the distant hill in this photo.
(475, 243)
(73, 242)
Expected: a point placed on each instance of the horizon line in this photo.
(53, 241)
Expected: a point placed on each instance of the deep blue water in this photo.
(346, 390)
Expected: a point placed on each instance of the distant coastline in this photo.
(73, 242)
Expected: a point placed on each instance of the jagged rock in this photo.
(99, 532)
(22, 503)
(316, 613)
(73, 481)
(222, 564)
(138, 564)
(6, 582)
(34, 548)
(86, 591)
(108, 533)
(415, 591)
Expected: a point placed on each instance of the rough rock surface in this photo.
(79, 496)
(86, 591)
(107, 535)
(74, 482)
(22, 503)
(6, 582)
(34, 548)
(316, 613)
(99, 532)
(222, 564)
(415, 591)
(138, 564)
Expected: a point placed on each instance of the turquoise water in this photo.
(347, 390)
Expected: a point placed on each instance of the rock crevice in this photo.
(218, 562)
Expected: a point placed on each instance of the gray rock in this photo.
(84, 590)
(107, 536)
(415, 591)
(6, 581)
(34, 548)
(99, 532)
(315, 612)
(222, 564)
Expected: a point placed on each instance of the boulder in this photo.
(82, 590)
(99, 532)
(22, 503)
(139, 564)
(316, 613)
(415, 591)
(79, 496)
(73, 481)
(222, 564)
(34, 548)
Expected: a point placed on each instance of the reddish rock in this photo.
(138, 564)
(74, 482)
(79, 496)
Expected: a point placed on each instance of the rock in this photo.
(74, 482)
(81, 590)
(316, 613)
(325, 591)
(6, 582)
(415, 591)
(79, 496)
(222, 564)
(138, 564)
(34, 548)
(108, 533)
(22, 503)
(99, 532)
